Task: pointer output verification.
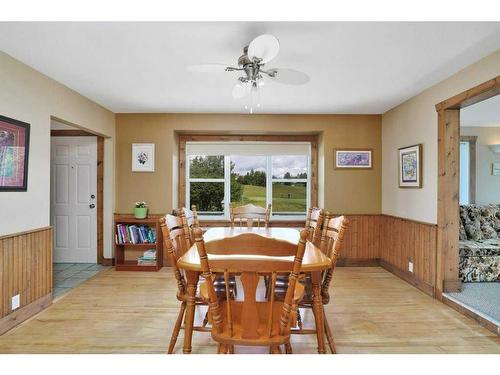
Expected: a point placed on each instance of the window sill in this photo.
(295, 223)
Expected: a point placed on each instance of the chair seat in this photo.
(239, 334)
(282, 285)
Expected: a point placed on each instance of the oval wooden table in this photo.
(314, 261)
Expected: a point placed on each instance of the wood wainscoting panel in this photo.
(362, 241)
(403, 241)
(25, 269)
(389, 241)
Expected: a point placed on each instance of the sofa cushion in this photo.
(480, 269)
(479, 222)
(482, 248)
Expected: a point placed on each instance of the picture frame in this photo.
(14, 154)
(353, 158)
(410, 166)
(143, 157)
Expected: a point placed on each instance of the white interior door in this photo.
(73, 199)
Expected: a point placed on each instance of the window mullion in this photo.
(308, 184)
(227, 185)
(188, 184)
(269, 181)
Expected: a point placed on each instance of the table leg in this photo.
(318, 311)
(192, 283)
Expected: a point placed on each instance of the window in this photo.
(222, 173)
(467, 171)
(464, 172)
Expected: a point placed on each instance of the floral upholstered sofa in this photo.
(479, 243)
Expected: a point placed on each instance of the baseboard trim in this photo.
(360, 262)
(462, 309)
(408, 277)
(18, 316)
(108, 261)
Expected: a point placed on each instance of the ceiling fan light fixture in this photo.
(259, 52)
(239, 91)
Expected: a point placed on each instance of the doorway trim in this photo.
(447, 257)
(100, 184)
(471, 140)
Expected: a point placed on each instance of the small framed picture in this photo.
(143, 157)
(410, 166)
(353, 159)
(14, 149)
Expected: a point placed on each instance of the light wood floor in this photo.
(133, 312)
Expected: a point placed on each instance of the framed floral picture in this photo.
(14, 147)
(353, 159)
(143, 157)
(410, 166)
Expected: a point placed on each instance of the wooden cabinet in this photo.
(126, 254)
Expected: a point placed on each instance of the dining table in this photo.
(314, 262)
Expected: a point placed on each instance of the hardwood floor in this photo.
(373, 311)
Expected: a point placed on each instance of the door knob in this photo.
(92, 205)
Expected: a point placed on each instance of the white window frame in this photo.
(269, 181)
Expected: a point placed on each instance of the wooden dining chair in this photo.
(332, 237)
(251, 322)
(248, 214)
(190, 221)
(191, 216)
(176, 243)
(314, 223)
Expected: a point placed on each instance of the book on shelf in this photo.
(134, 234)
(148, 258)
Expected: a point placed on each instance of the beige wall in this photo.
(487, 185)
(415, 121)
(32, 97)
(344, 191)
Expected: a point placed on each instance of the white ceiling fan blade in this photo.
(239, 91)
(264, 47)
(289, 76)
(207, 68)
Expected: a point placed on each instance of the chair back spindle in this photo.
(174, 243)
(207, 274)
(314, 223)
(292, 280)
(332, 239)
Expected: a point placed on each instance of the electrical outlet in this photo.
(410, 266)
(16, 302)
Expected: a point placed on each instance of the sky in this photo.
(281, 164)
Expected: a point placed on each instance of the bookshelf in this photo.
(126, 254)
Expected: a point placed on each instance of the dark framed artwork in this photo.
(410, 166)
(347, 158)
(14, 150)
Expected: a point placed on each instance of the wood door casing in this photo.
(448, 111)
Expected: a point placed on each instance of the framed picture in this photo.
(353, 159)
(14, 149)
(410, 166)
(143, 157)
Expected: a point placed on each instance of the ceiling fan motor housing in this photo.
(250, 67)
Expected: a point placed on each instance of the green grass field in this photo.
(290, 198)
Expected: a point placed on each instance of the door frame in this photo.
(447, 256)
(471, 140)
(100, 183)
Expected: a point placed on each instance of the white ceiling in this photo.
(354, 67)
(485, 113)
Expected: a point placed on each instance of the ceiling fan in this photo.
(259, 52)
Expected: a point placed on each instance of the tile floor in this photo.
(66, 276)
